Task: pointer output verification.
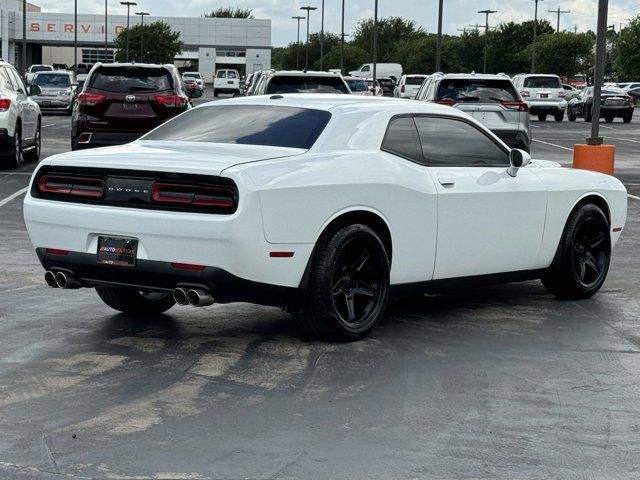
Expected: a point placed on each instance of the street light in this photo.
(75, 38)
(298, 18)
(23, 65)
(439, 38)
(322, 35)
(598, 71)
(142, 15)
(375, 43)
(306, 53)
(486, 34)
(535, 34)
(129, 5)
(342, 42)
(106, 28)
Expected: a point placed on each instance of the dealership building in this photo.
(208, 43)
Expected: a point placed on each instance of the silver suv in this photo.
(273, 81)
(57, 91)
(543, 93)
(490, 99)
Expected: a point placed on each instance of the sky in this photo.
(458, 14)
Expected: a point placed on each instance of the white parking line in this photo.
(633, 196)
(51, 125)
(626, 140)
(4, 201)
(553, 145)
(15, 173)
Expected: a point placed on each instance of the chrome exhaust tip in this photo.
(180, 296)
(199, 298)
(50, 279)
(67, 281)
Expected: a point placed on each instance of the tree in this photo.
(353, 57)
(161, 44)
(563, 53)
(230, 12)
(509, 50)
(390, 31)
(627, 52)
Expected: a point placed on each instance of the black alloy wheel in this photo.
(582, 260)
(348, 284)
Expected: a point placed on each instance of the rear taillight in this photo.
(71, 186)
(520, 106)
(524, 93)
(219, 197)
(445, 101)
(5, 103)
(628, 99)
(561, 94)
(171, 100)
(401, 88)
(90, 99)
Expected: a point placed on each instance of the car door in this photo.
(488, 221)
(28, 109)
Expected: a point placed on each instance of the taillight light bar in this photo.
(90, 99)
(198, 195)
(520, 106)
(5, 103)
(171, 100)
(445, 101)
(73, 186)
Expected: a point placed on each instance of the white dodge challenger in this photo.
(321, 204)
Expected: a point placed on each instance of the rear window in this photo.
(52, 80)
(357, 85)
(247, 125)
(306, 84)
(191, 75)
(613, 92)
(414, 81)
(41, 68)
(470, 90)
(128, 80)
(542, 82)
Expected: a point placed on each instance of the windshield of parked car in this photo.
(275, 126)
(482, 91)
(131, 79)
(542, 82)
(191, 75)
(52, 80)
(306, 84)
(41, 68)
(357, 85)
(415, 80)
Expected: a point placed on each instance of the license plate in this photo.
(544, 95)
(117, 251)
(46, 103)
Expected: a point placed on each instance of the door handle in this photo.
(446, 181)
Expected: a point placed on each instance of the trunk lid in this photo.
(169, 156)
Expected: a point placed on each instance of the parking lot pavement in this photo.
(500, 382)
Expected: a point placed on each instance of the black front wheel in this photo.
(33, 154)
(348, 284)
(129, 300)
(542, 117)
(582, 261)
(558, 117)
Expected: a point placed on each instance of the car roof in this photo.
(473, 76)
(333, 102)
(301, 73)
(133, 64)
(551, 75)
(352, 78)
(416, 75)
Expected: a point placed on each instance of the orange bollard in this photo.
(599, 158)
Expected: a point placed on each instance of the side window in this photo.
(222, 74)
(15, 80)
(365, 68)
(5, 83)
(455, 143)
(402, 139)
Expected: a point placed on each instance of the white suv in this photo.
(20, 119)
(544, 95)
(295, 81)
(408, 86)
(226, 81)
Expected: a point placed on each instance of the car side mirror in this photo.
(34, 90)
(194, 93)
(517, 160)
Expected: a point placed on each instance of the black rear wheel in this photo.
(542, 117)
(582, 261)
(130, 300)
(558, 117)
(33, 154)
(348, 284)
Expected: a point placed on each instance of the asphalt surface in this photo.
(500, 382)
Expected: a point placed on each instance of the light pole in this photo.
(439, 39)
(535, 34)
(298, 18)
(558, 12)
(486, 35)
(142, 15)
(342, 42)
(598, 72)
(306, 53)
(129, 5)
(23, 63)
(375, 43)
(321, 35)
(106, 28)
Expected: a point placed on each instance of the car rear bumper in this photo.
(53, 103)
(6, 142)
(536, 107)
(616, 111)
(105, 139)
(163, 276)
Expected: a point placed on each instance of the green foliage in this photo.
(626, 58)
(390, 31)
(563, 53)
(161, 44)
(508, 46)
(353, 58)
(230, 12)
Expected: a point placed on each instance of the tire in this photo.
(348, 284)
(13, 159)
(582, 261)
(215, 94)
(571, 117)
(627, 117)
(542, 117)
(33, 155)
(129, 300)
(558, 117)
(608, 119)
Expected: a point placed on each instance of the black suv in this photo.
(120, 102)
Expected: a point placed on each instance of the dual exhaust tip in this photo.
(61, 280)
(196, 297)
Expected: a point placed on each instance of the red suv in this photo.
(120, 102)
